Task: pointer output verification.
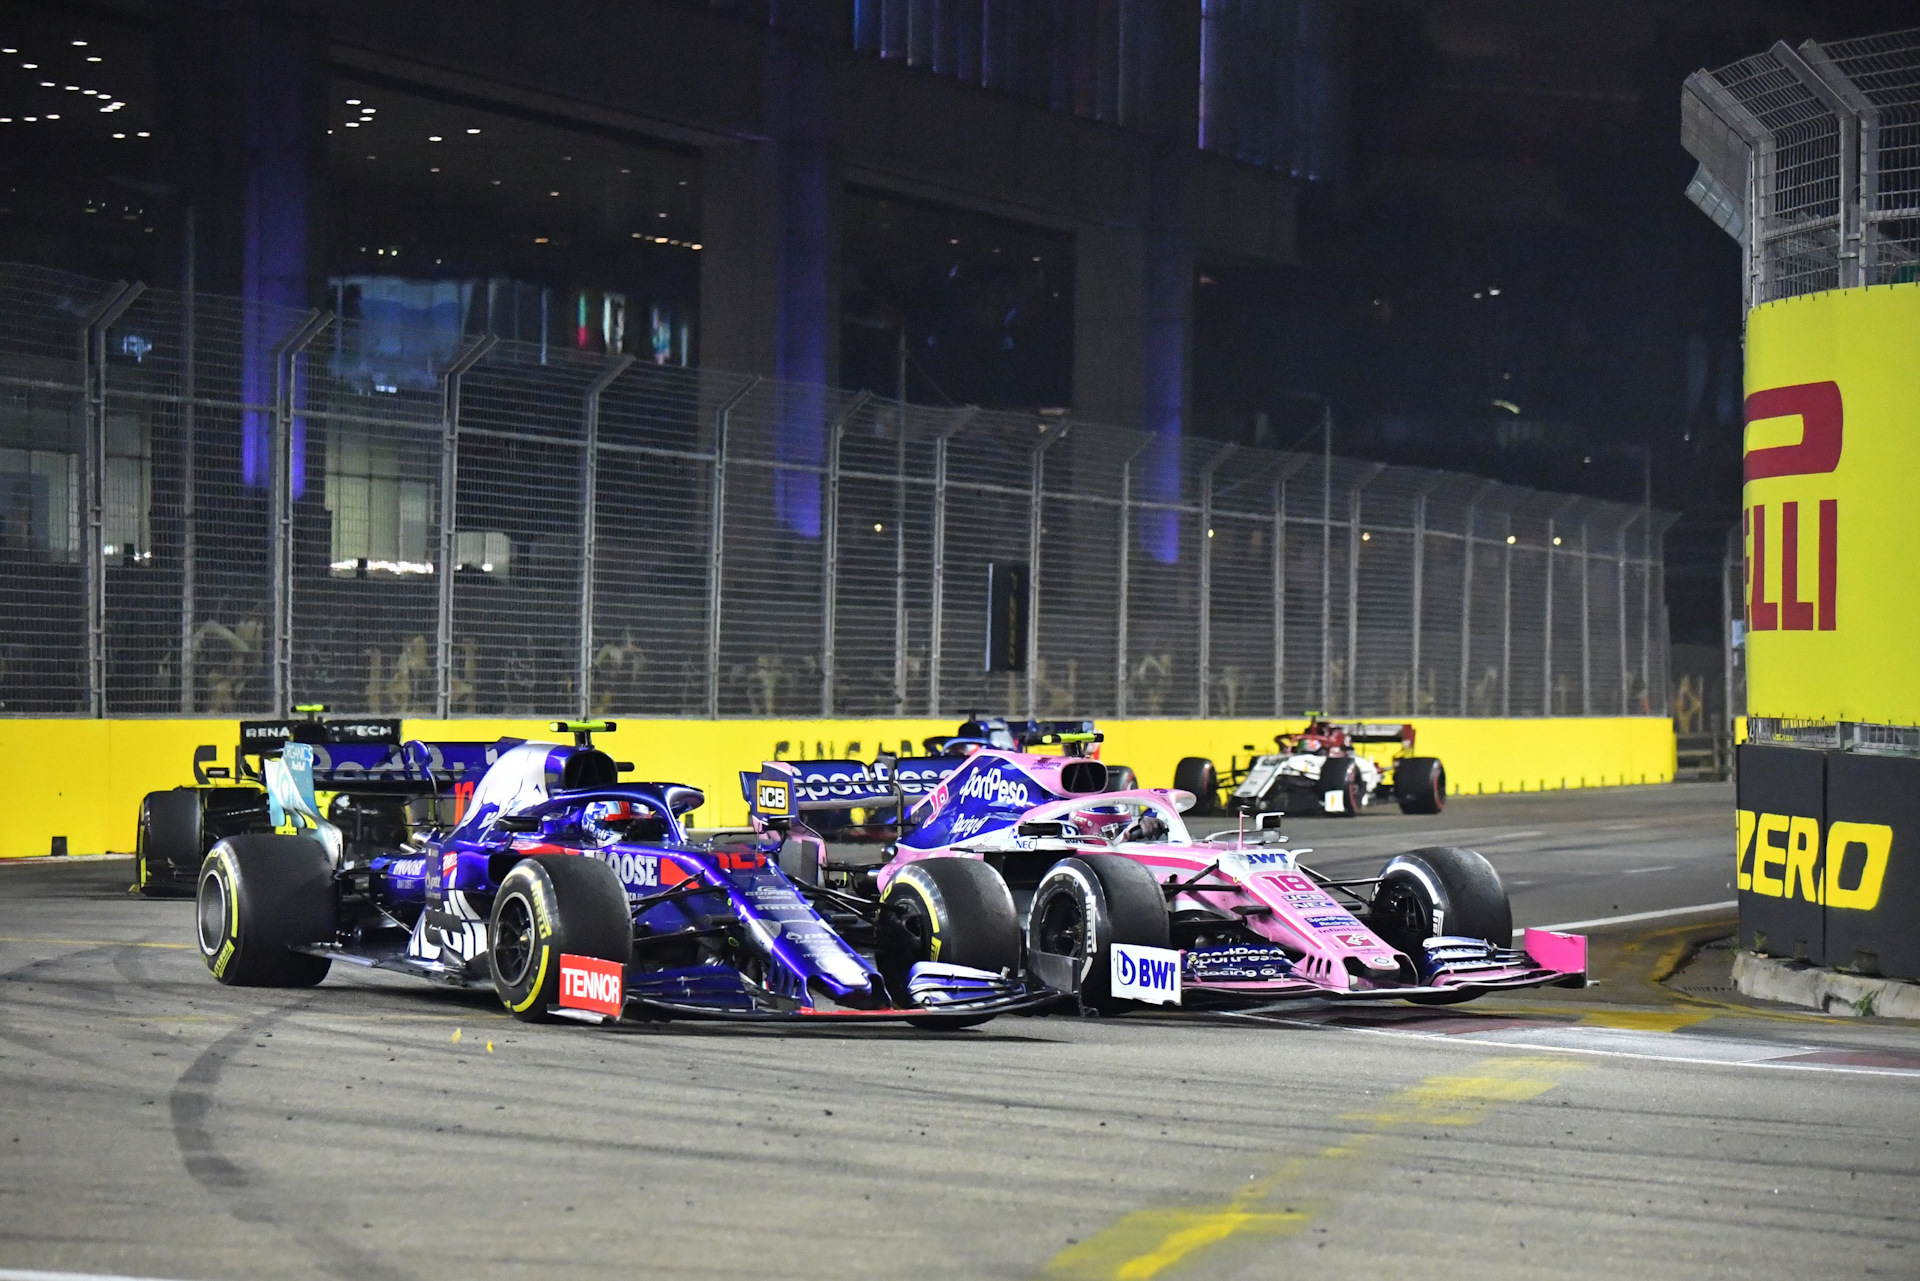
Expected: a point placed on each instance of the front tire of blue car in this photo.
(549, 905)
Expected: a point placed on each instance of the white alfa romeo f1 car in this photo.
(1330, 767)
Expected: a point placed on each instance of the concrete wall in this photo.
(83, 779)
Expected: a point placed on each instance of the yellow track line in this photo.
(1149, 1241)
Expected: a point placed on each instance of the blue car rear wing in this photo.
(342, 766)
(781, 791)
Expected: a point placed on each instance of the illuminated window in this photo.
(381, 519)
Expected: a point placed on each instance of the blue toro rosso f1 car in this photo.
(530, 868)
(1039, 865)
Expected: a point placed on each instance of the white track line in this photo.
(1519, 1041)
(15, 1274)
(1629, 918)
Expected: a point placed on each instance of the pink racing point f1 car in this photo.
(1121, 904)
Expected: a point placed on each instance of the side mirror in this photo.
(1041, 829)
(1269, 821)
(516, 823)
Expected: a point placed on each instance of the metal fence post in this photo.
(1546, 657)
(936, 614)
(1469, 550)
(1470, 545)
(286, 359)
(1326, 558)
(93, 418)
(1205, 665)
(1419, 588)
(1861, 198)
(716, 544)
(189, 467)
(1280, 582)
(466, 359)
(1506, 624)
(1646, 607)
(1620, 586)
(589, 525)
(1047, 440)
(1122, 618)
(1553, 546)
(1353, 587)
(1586, 627)
(1832, 95)
(830, 554)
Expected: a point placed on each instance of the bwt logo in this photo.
(1147, 971)
(1820, 411)
(1783, 856)
(994, 788)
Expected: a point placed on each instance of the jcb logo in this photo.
(772, 798)
(1782, 856)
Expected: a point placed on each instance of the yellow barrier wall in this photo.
(83, 779)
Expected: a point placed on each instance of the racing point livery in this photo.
(528, 867)
(981, 730)
(1330, 767)
(1028, 864)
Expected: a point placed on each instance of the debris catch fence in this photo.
(215, 508)
(1810, 158)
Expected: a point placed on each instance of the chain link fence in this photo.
(1810, 157)
(212, 508)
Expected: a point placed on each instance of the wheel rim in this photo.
(1400, 917)
(212, 913)
(513, 939)
(901, 934)
(1062, 927)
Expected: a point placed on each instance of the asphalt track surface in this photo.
(155, 1124)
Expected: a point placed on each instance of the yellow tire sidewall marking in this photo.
(911, 880)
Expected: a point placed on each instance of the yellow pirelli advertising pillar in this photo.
(1829, 829)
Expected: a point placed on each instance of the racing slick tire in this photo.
(955, 910)
(1341, 774)
(1196, 774)
(1087, 903)
(1440, 890)
(1121, 778)
(551, 904)
(261, 895)
(167, 848)
(1420, 785)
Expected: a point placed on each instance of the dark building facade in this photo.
(1001, 202)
